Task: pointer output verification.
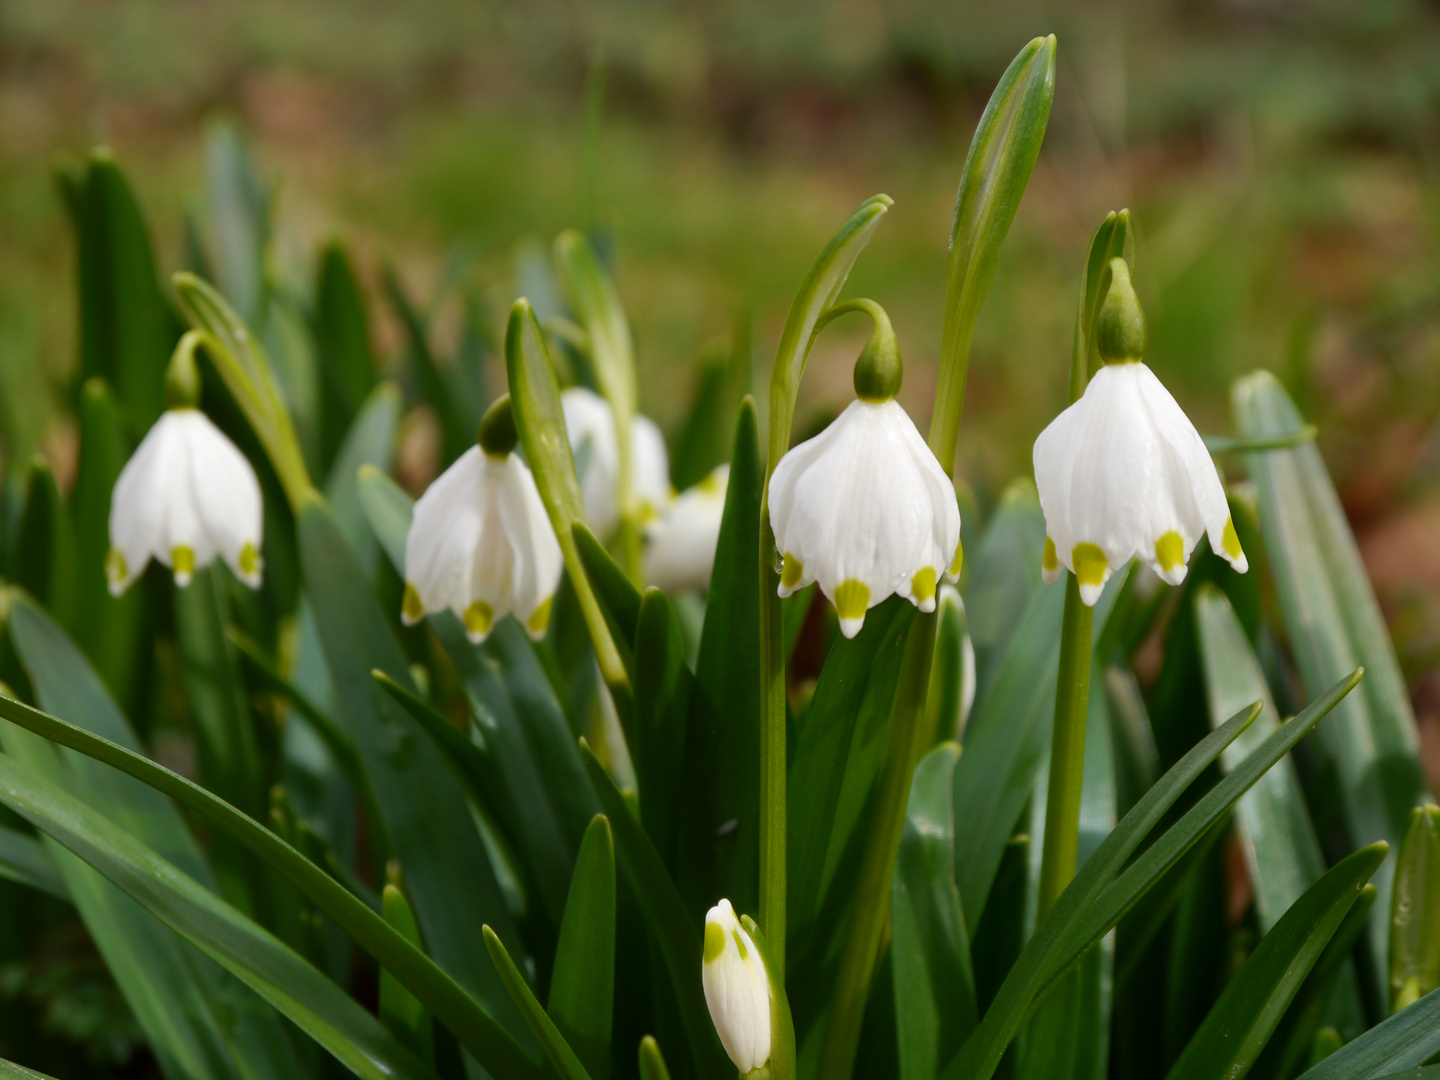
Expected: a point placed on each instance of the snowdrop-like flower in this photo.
(186, 496)
(681, 542)
(1122, 473)
(480, 542)
(737, 989)
(588, 416)
(864, 508)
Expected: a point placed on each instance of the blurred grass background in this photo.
(1280, 155)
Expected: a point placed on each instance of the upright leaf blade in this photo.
(935, 1008)
(1415, 913)
(1240, 1023)
(582, 987)
(342, 339)
(250, 953)
(1334, 624)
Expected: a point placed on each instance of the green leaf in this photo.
(447, 875)
(582, 986)
(1092, 903)
(721, 772)
(441, 994)
(652, 1065)
(556, 1048)
(674, 931)
(663, 690)
(126, 328)
(109, 633)
(1369, 759)
(10, 1071)
(952, 672)
(342, 339)
(1004, 747)
(1409, 1038)
(782, 1063)
(1290, 1046)
(1240, 1023)
(400, 1010)
(370, 443)
(832, 775)
(1415, 912)
(247, 951)
(1281, 849)
(541, 424)
(194, 1017)
(43, 559)
(997, 170)
(935, 1005)
(1114, 239)
(1004, 579)
(618, 597)
(24, 859)
(222, 722)
(239, 214)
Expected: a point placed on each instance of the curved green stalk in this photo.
(466, 1018)
(817, 293)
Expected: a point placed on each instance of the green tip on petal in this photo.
(1050, 559)
(411, 606)
(922, 584)
(714, 941)
(953, 573)
(249, 560)
(1230, 541)
(740, 944)
(1170, 551)
(852, 599)
(1120, 332)
(478, 617)
(1090, 564)
(182, 561)
(791, 571)
(116, 570)
(539, 619)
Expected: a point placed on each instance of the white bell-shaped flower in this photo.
(737, 989)
(864, 508)
(1122, 473)
(480, 542)
(681, 542)
(186, 496)
(589, 419)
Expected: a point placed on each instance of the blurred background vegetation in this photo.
(1280, 156)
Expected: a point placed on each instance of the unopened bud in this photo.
(737, 989)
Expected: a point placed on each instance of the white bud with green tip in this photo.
(864, 508)
(680, 543)
(737, 989)
(1122, 473)
(186, 496)
(590, 420)
(480, 542)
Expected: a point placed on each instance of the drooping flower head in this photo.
(681, 542)
(737, 989)
(864, 508)
(186, 496)
(1122, 473)
(480, 542)
(589, 420)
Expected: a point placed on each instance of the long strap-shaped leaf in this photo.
(1241, 1022)
(10, 1071)
(548, 1035)
(674, 932)
(476, 1030)
(1409, 1038)
(1077, 920)
(246, 950)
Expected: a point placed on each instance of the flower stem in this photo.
(910, 736)
(1067, 748)
(772, 749)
